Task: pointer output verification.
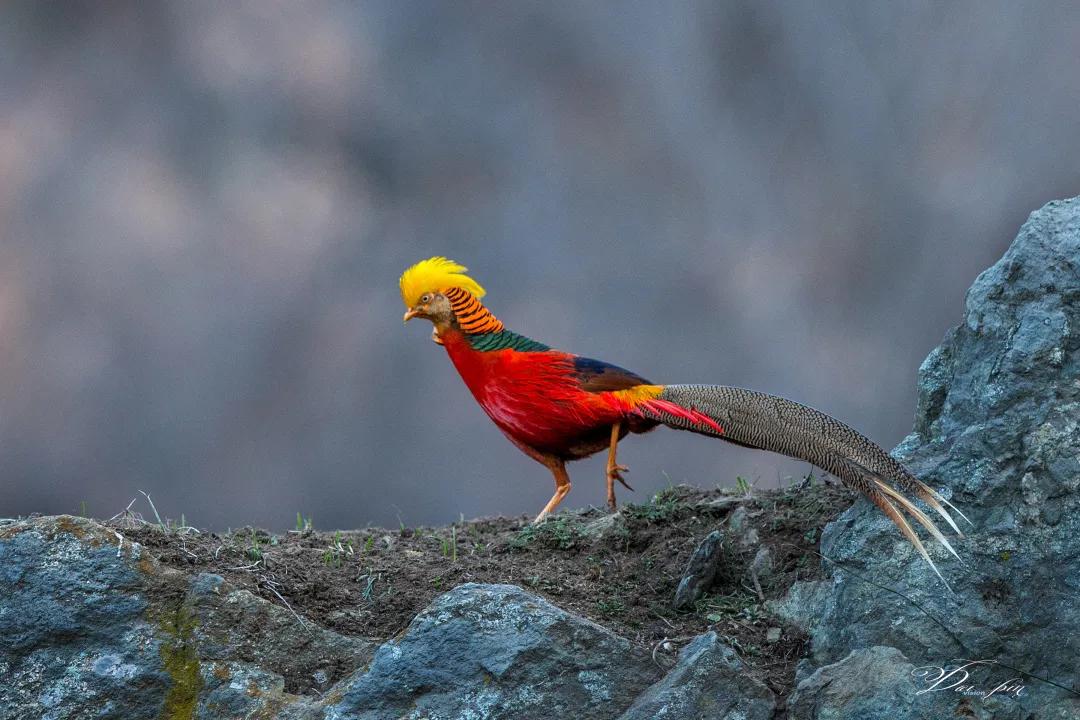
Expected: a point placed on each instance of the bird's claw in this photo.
(614, 472)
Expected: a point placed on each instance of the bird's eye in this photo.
(425, 298)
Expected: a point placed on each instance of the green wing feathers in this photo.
(768, 422)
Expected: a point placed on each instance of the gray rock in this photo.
(879, 683)
(739, 528)
(709, 682)
(91, 626)
(869, 684)
(804, 604)
(803, 669)
(721, 503)
(739, 520)
(245, 690)
(602, 527)
(235, 625)
(76, 638)
(496, 651)
(997, 430)
(762, 564)
(700, 571)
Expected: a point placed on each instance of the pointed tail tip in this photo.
(934, 499)
(880, 497)
(918, 514)
(957, 511)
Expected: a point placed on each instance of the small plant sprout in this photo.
(254, 550)
(303, 525)
(743, 485)
(338, 550)
(448, 546)
(369, 586)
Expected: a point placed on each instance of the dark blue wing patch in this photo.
(599, 376)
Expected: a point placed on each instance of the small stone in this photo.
(762, 563)
(700, 571)
(804, 604)
(601, 527)
(739, 527)
(870, 683)
(708, 681)
(722, 502)
(772, 635)
(737, 520)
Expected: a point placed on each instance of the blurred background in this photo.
(205, 208)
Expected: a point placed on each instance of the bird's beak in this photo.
(411, 314)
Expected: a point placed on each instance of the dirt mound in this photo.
(619, 570)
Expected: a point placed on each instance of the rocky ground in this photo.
(697, 604)
(621, 571)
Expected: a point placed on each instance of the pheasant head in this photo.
(438, 290)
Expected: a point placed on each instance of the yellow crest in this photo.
(435, 275)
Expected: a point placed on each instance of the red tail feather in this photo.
(689, 414)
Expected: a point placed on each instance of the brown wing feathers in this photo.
(779, 425)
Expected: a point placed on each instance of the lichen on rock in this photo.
(180, 659)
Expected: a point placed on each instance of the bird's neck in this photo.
(481, 330)
(472, 317)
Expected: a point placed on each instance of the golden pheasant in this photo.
(557, 407)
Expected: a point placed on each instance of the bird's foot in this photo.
(541, 517)
(614, 472)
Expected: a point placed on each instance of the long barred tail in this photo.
(768, 422)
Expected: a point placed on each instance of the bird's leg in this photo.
(562, 486)
(614, 470)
